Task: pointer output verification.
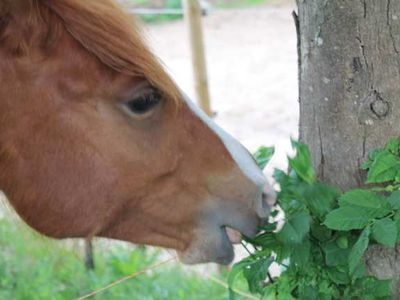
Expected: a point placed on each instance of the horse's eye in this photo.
(144, 103)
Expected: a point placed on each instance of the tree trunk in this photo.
(349, 77)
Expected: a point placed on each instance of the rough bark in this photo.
(349, 75)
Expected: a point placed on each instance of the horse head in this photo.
(97, 140)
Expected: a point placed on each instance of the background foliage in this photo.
(35, 268)
(177, 4)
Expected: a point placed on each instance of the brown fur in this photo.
(73, 163)
(113, 37)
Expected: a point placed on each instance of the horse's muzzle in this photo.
(223, 224)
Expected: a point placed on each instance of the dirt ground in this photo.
(252, 67)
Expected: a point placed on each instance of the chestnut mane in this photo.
(105, 30)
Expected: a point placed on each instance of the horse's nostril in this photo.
(268, 197)
(267, 201)
(263, 221)
(264, 201)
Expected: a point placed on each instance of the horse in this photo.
(96, 139)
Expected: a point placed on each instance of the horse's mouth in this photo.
(234, 236)
(213, 246)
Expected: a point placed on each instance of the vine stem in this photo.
(271, 280)
(247, 249)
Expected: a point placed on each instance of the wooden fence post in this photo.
(193, 15)
(89, 257)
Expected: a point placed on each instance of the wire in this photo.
(131, 276)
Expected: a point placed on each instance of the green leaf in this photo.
(393, 146)
(362, 198)
(371, 157)
(274, 213)
(283, 252)
(394, 200)
(265, 240)
(338, 276)
(263, 155)
(384, 168)
(295, 228)
(269, 227)
(346, 218)
(360, 271)
(256, 273)
(358, 249)
(270, 293)
(301, 256)
(373, 287)
(320, 198)
(302, 163)
(285, 288)
(320, 232)
(325, 289)
(384, 231)
(369, 203)
(396, 219)
(281, 177)
(237, 269)
(308, 292)
(342, 242)
(334, 255)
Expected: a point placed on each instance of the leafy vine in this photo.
(319, 243)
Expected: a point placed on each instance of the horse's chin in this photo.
(213, 247)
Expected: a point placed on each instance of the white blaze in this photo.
(239, 154)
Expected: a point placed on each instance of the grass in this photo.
(177, 4)
(35, 268)
(239, 3)
(163, 18)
